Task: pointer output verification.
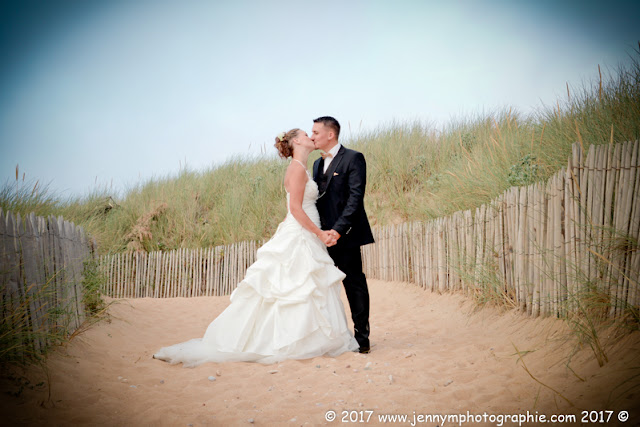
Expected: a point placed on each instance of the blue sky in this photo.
(96, 93)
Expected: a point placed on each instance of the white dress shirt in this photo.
(333, 153)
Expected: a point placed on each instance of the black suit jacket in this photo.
(341, 206)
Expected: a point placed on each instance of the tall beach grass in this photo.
(415, 172)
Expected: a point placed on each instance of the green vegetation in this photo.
(92, 282)
(25, 341)
(414, 173)
(17, 336)
(32, 323)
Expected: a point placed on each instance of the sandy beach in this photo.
(433, 354)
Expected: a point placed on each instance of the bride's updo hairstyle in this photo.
(284, 144)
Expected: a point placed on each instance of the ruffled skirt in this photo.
(287, 307)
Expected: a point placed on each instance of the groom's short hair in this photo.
(330, 122)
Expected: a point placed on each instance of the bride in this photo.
(288, 305)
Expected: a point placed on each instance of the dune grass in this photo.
(25, 342)
(415, 172)
(25, 196)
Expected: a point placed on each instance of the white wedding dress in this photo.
(287, 307)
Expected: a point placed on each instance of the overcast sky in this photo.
(123, 91)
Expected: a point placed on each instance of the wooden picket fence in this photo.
(536, 246)
(541, 246)
(41, 266)
(177, 273)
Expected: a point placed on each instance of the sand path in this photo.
(433, 354)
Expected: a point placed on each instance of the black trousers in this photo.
(349, 261)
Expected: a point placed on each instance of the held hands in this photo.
(329, 237)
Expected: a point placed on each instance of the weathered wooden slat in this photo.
(558, 248)
(5, 262)
(634, 234)
(13, 285)
(33, 280)
(626, 226)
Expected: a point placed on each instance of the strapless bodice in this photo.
(308, 201)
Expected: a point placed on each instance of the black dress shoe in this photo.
(364, 350)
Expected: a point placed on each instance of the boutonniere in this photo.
(335, 174)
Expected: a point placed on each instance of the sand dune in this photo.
(433, 354)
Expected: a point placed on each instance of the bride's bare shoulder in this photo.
(295, 176)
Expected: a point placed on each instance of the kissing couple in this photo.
(288, 305)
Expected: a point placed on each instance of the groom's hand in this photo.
(335, 234)
(327, 238)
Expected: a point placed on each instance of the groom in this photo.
(341, 175)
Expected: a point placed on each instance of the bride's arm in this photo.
(295, 181)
